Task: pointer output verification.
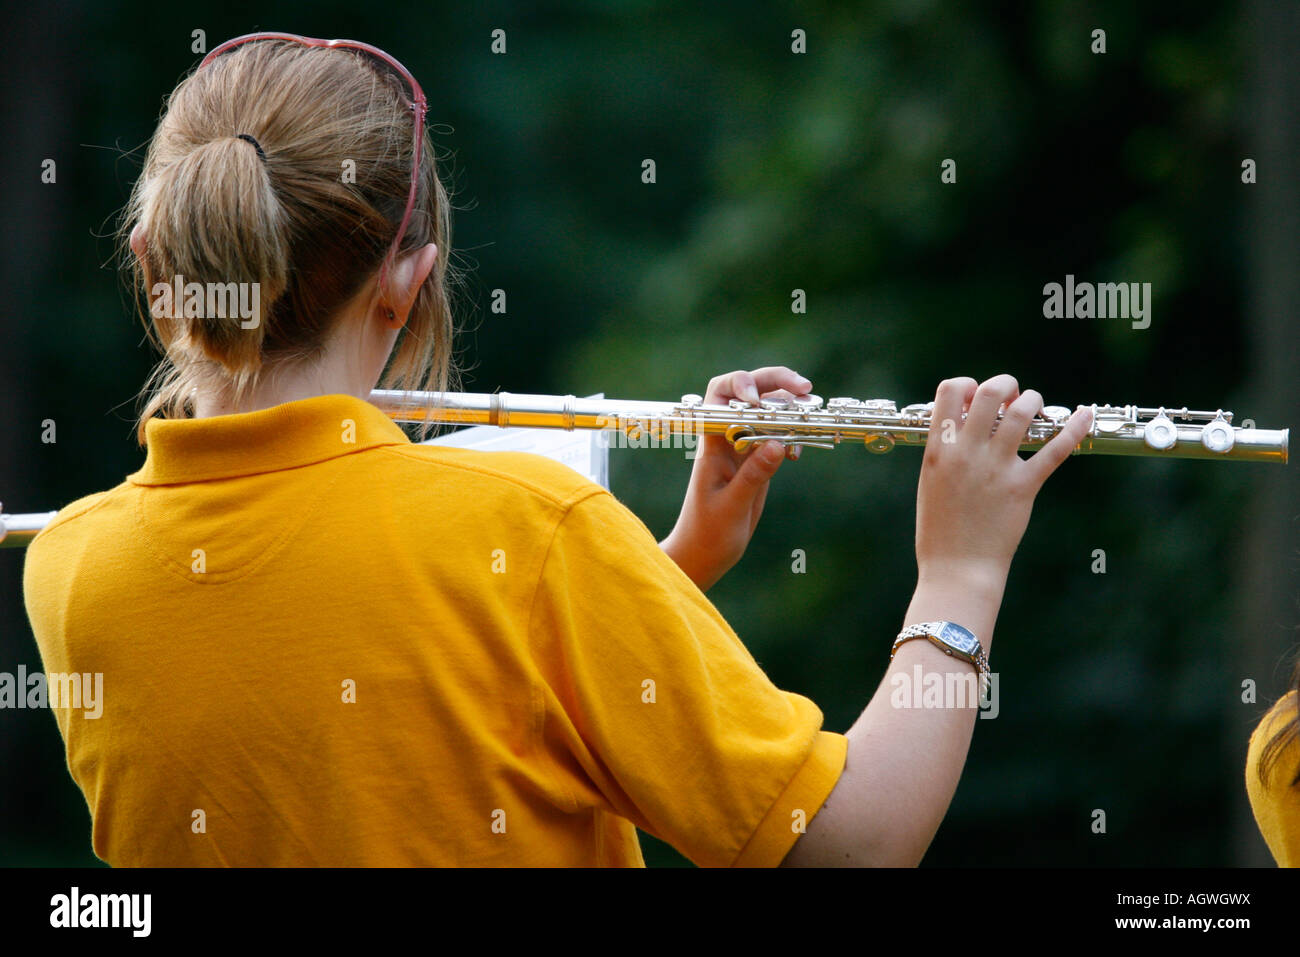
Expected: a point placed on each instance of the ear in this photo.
(139, 247)
(137, 241)
(408, 276)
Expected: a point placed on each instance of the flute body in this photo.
(809, 421)
(878, 424)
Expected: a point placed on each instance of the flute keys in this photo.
(774, 405)
(691, 400)
(808, 403)
(740, 437)
(877, 406)
(1056, 414)
(1218, 437)
(1109, 423)
(1160, 433)
(885, 406)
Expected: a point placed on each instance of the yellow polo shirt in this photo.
(1276, 805)
(322, 644)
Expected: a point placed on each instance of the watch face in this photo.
(959, 638)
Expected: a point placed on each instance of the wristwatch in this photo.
(953, 639)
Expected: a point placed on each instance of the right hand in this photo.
(976, 492)
(727, 489)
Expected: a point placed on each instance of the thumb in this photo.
(758, 468)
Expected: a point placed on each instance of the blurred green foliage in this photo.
(776, 172)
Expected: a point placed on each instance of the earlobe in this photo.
(137, 241)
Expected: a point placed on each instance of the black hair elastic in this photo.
(256, 145)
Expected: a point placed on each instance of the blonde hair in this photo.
(214, 209)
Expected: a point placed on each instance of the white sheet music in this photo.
(583, 450)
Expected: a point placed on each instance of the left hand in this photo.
(727, 489)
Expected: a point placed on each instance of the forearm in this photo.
(904, 761)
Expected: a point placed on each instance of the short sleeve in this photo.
(669, 717)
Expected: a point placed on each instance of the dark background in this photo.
(1119, 691)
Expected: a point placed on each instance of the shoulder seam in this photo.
(564, 502)
(532, 608)
(63, 517)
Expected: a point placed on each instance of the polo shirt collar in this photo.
(281, 437)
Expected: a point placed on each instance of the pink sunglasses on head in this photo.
(416, 102)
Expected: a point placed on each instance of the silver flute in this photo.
(804, 421)
(809, 421)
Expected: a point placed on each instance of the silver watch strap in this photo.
(932, 630)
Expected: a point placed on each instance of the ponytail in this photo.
(213, 218)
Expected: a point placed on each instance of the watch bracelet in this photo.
(927, 629)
